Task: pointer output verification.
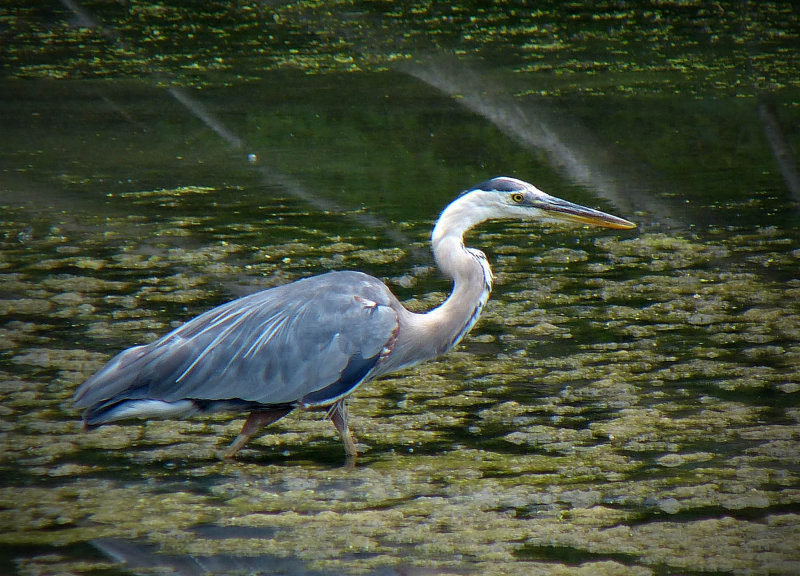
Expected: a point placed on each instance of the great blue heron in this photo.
(311, 343)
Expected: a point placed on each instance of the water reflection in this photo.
(779, 144)
(142, 558)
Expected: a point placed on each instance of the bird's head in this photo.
(505, 197)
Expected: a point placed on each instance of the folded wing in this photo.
(309, 342)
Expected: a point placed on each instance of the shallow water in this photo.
(627, 404)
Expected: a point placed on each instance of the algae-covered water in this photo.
(629, 402)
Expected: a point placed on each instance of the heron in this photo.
(311, 343)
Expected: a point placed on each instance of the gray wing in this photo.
(311, 342)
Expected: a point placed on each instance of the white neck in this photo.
(438, 330)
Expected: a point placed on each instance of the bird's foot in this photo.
(253, 425)
(338, 415)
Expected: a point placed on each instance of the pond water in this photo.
(629, 402)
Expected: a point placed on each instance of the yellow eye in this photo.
(518, 198)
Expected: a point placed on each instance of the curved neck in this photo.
(434, 332)
(472, 283)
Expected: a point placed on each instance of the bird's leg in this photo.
(338, 415)
(254, 423)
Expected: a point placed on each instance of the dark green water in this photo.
(629, 402)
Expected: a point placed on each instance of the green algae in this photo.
(671, 47)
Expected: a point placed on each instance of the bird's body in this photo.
(256, 350)
(314, 341)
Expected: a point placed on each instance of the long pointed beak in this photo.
(564, 210)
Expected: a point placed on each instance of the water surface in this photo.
(627, 404)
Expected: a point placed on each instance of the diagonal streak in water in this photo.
(290, 185)
(568, 146)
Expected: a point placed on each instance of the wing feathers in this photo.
(311, 341)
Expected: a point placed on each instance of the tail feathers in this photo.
(144, 408)
(113, 410)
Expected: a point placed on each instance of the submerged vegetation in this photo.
(721, 48)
